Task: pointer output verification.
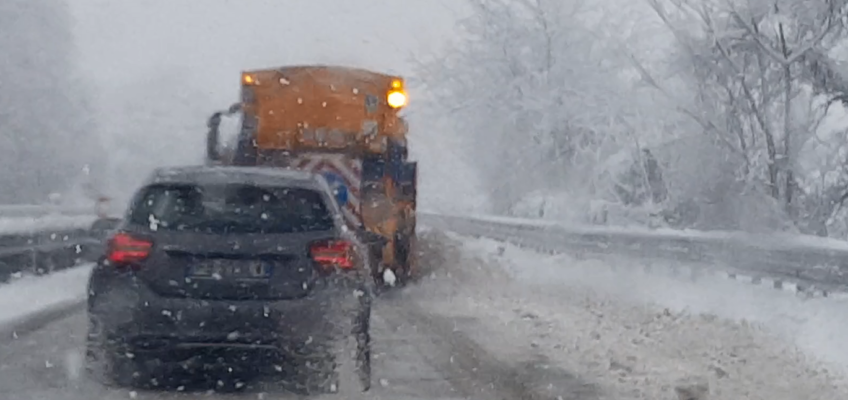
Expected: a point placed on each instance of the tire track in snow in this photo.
(471, 367)
(473, 370)
(47, 364)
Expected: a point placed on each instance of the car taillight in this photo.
(332, 254)
(125, 248)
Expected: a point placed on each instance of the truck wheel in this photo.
(376, 266)
(403, 255)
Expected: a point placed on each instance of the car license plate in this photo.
(231, 269)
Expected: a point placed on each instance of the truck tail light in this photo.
(332, 254)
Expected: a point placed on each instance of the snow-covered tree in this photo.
(559, 102)
(753, 73)
(536, 96)
(47, 135)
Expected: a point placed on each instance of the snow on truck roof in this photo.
(335, 70)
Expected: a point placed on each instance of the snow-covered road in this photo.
(45, 365)
(490, 321)
(637, 334)
(417, 355)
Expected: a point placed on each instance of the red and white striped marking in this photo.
(348, 168)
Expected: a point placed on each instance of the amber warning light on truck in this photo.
(396, 98)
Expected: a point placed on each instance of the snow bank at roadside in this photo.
(635, 336)
(30, 295)
(815, 325)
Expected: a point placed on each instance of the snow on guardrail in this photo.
(757, 240)
(43, 239)
(29, 218)
(15, 226)
(814, 264)
(39, 210)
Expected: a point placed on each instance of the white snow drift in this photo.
(635, 336)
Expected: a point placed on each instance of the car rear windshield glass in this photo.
(233, 208)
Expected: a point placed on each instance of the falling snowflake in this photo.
(154, 222)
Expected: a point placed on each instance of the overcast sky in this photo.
(218, 38)
(120, 41)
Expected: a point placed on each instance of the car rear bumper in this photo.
(133, 314)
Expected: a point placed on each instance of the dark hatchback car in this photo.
(248, 264)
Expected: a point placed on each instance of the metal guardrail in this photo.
(813, 264)
(44, 252)
(41, 239)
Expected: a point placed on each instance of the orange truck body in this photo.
(297, 106)
(340, 120)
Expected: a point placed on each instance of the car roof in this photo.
(263, 176)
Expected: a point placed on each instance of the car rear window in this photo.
(232, 208)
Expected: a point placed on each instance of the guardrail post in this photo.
(5, 272)
(32, 267)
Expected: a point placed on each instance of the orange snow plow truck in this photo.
(343, 123)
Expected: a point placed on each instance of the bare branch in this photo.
(747, 91)
(794, 55)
